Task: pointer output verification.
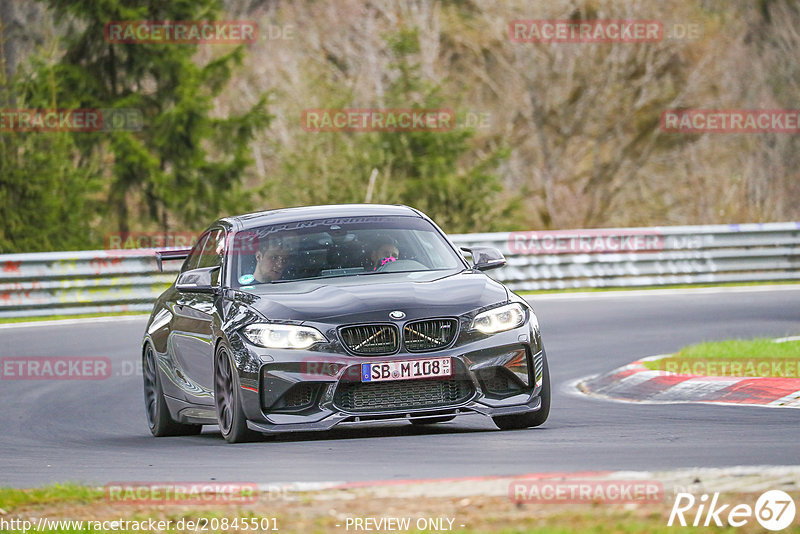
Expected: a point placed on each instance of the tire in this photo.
(159, 419)
(527, 420)
(432, 420)
(230, 416)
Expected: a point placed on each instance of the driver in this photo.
(271, 259)
(384, 251)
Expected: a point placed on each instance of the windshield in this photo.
(336, 247)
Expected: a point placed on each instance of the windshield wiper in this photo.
(314, 278)
(352, 274)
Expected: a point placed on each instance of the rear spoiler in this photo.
(172, 254)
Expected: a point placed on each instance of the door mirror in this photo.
(485, 258)
(197, 280)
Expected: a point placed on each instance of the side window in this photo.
(213, 248)
(194, 255)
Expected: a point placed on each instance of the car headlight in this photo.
(282, 336)
(499, 319)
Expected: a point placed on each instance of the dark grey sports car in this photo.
(306, 318)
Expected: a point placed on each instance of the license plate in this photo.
(406, 370)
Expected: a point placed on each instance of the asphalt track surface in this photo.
(95, 431)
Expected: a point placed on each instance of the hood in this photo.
(372, 297)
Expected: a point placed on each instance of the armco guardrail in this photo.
(67, 283)
(631, 257)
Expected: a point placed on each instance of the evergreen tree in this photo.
(183, 163)
(433, 170)
(48, 192)
(436, 171)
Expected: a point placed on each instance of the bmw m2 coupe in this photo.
(306, 318)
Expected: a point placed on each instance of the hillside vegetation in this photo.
(559, 135)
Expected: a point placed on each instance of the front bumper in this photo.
(341, 418)
(291, 390)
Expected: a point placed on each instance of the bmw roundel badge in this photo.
(397, 314)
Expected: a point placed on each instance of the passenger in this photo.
(385, 250)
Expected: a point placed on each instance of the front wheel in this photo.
(230, 416)
(527, 420)
(159, 419)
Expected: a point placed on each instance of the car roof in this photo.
(285, 215)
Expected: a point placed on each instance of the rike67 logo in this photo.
(774, 510)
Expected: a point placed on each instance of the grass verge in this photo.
(11, 320)
(761, 357)
(330, 511)
(647, 288)
(12, 498)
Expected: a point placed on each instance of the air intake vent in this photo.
(373, 339)
(300, 395)
(401, 394)
(498, 381)
(430, 334)
(298, 398)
